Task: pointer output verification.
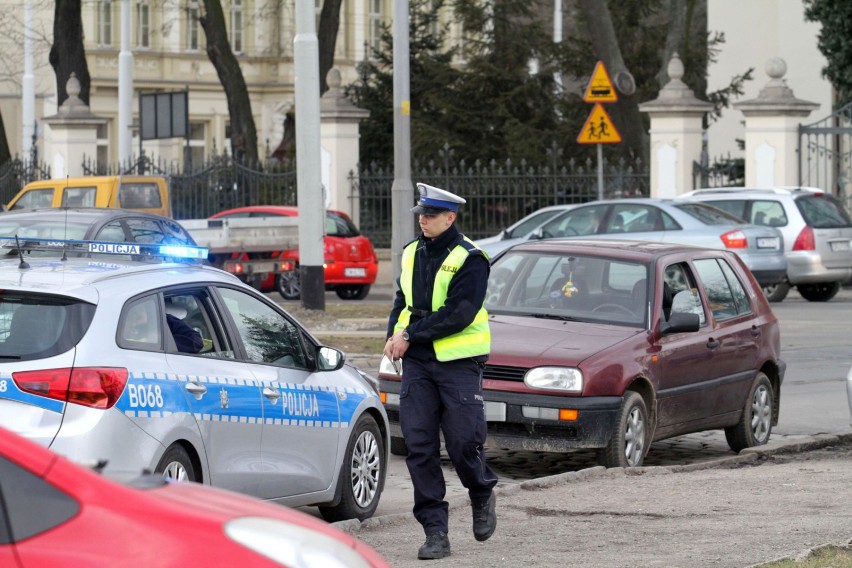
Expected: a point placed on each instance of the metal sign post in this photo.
(599, 128)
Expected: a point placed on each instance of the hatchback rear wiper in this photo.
(11, 357)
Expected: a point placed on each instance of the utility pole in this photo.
(309, 190)
(28, 85)
(402, 190)
(125, 90)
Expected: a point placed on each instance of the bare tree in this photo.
(67, 54)
(5, 152)
(243, 130)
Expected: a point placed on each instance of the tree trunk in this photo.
(625, 113)
(67, 54)
(5, 152)
(243, 130)
(327, 38)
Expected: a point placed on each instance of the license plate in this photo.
(495, 411)
(355, 272)
(840, 246)
(768, 243)
(259, 267)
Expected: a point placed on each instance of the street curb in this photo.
(746, 456)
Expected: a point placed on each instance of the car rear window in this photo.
(823, 212)
(708, 214)
(337, 225)
(24, 334)
(139, 196)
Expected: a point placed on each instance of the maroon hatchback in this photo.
(614, 345)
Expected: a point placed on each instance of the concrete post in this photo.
(772, 130)
(676, 128)
(73, 134)
(339, 137)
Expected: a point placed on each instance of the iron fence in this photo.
(17, 173)
(497, 193)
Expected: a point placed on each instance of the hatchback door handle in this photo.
(272, 394)
(196, 389)
(712, 343)
(755, 331)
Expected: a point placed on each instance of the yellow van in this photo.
(141, 193)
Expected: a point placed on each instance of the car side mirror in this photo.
(504, 234)
(329, 358)
(680, 322)
(538, 234)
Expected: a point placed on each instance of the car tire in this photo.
(777, 292)
(288, 284)
(361, 474)
(176, 465)
(352, 291)
(398, 447)
(755, 425)
(629, 442)
(820, 292)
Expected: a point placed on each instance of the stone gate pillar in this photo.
(73, 134)
(676, 127)
(339, 138)
(772, 130)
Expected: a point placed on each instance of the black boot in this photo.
(437, 545)
(484, 518)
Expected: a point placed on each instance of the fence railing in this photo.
(17, 173)
(497, 194)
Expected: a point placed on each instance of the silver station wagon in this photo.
(179, 368)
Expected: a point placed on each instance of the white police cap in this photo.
(434, 200)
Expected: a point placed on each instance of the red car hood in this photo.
(528, 342)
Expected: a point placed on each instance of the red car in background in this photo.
(350, 262)
(54, 512)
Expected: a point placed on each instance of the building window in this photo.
(192, 25)
(104, 23)
(143, 24)
(374, 40)
(197, 144)
(103, 147)
(236, 30)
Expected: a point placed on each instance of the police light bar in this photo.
(105, 247)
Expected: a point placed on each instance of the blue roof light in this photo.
(106, 247)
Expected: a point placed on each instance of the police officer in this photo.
(439, 328)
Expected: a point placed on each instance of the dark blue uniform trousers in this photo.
(445, 395)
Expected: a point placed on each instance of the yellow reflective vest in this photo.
(473, 340)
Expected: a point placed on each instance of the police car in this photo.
(171, 366)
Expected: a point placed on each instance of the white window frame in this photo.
(143, 25)
(374, 28)
(235, 29)
(192, 26)
(104, 23)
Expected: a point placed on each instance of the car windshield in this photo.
(823, 212)
(709, 215)
(23, 334)
(570, 287)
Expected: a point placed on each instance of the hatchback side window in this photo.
(267, 335)
(631, 218)
(139, 327)
(677, 279)
(768, 212)
(146, 231)
(719, 293)
(190, 312)
(579, 221)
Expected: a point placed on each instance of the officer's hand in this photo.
(396, 346)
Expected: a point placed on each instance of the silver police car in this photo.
(107, 357)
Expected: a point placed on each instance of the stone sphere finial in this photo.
(776, 68)
(332, 78)
(72, 87)
(675, 67)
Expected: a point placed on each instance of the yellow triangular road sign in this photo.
(600, 89)
(599, 128)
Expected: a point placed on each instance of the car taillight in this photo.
(735, 240)
(96, 387)
(805, 240)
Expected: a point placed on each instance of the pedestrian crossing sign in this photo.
(600, 89)
(599, 128)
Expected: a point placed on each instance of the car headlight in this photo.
(567, 379)
(386, 367)
(292, 545)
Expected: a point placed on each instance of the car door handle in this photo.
(272, 394)
(755, 331)
(712, 343)
(196, 389)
